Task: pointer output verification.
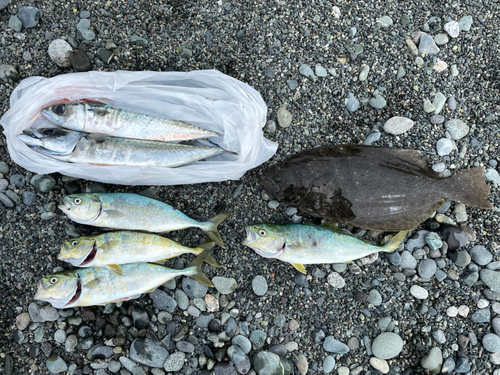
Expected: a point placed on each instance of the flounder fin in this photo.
(394, 242)
(197, 262)
(212, 230)
(469, 187)
(115, 268)
(299, 267)
(113, 214)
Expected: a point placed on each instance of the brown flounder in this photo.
(369, 187)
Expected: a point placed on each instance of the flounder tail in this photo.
(394, 242)
(196, 266)
(210, 228)
(469, 187)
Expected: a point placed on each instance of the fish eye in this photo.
(48, 131)
(74, 243)
(60, 109)
(78, 201)
(262, 233)
(53, 280)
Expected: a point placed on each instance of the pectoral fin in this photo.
(115, 268)
(299, 267)
(112, 214)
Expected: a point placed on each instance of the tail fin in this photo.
(196, 263)
(212, 228)
(394, 242)
(469, 187)
(205, 247)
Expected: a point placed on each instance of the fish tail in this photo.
(395, 242)
(196, 266)
(206, 246)
(469, 187)
(210, 228)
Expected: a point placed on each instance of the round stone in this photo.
(224, 285)
(29, 16)
(427, 268)
(60, 53)
(378, 102)
(258, 338)
(398, 125)
(244, 343)
(17, 180)
(387, 345)
(375, 298)
(80, 61)
(284, 117)
(259, 285)
(43, 183)
(433, 360)
(333, 345)
(56, 364)
(480, 255)
(444, 146)
(379, 364)
(175, 362)
(328, 364)
(457, 128)
(491, 342)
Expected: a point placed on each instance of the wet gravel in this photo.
(330, 73)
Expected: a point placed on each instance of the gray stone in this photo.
(320, 71)
(437, 119)
(185, 346)
(258, 338)
(408, 261)
(49, 314)
(427, 268)
(83, 24)
(284, 117)
(427, 45)
(193, 288)
(398, 125)
(85, 34)
(492, 175)
(444, 147)
(137, 40)
(364, 73)
(80, 61)
(481, 316)
(465, 23)
(105, 55)
(271, 364)
(452, 28)
(491, 342)
(495, 324)
(307, 72)
(387, 345)
(377, 102)
(259, 285)
(235, 354)
(15, 24)
(292, 84)
(374, 297)
(428, 106)
(480, 255)
(441, 39)
(162, 301)
(439, 101)
(60, 53)
(225, 285)
(244, 343)
(140, 318)
(56, 364)
(204, 319)
(401, 72)
(9, 74)
(4, 167)
(182, 299)
(333, 345)
(448, 366)
(433, 360)
(457, 128)
(131, 366)
(452, 103)
(352, 104)
(462, 366)
(29, 16)
(175, 362)
(328, 364)
(371, 138)
(439, 336)
(6, 200)
(4, 4)
(490, 278)
(385, 21)
(418, 292)
(471, 278)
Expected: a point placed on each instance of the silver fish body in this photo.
(116, 122)
(134, 212)
(308, 244)
(112, 249)
(75, 147)
(99, 286)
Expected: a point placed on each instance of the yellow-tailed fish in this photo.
(98, 149)
(300, 244)
(134, 212)
(116, 122)
(99, 286)
(115, 248)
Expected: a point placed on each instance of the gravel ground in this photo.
(436, 300)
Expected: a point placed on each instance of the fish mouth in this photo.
(49, 115)
(41, 289)
(90, 256)
(65, 207)
(250, 236)
(78, 292)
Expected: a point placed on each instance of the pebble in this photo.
(4, 167)
(175, 362)
(131, 366)
(377, 102)
(452, 28)
(433, 360)
(137, 40)
(56, 364)
(448, 365)
(427, 268)
(9, 74)
(335, 280)
(243, 343)
(4, 4)
(401, 72)
(439, 336)
(364, 73)
(463, 310)
(225, 285)
(495, 324)
(491, 342)
(412, 47)
(428, 106)
(427, 45)
(307, 72)
(292, 84)
(385, 21)
(437, 119)
(258, 338)
(302, 364)
(29, 16)
(71, 342)
(259, 285)
(440, 66)
(352, 104)
(193, 288)
(163, 301)
(270, 128)
(320, 71)
(273, 204)
(372, 137)
(433, 241)
(441, 39)
(481, 316)
(480, 255)
(374, 297)
(15, 24)
(379, 364)
(465, 23)
(491, 278)
(387, 345)
(272, 364)
(408, 261)
(269, 72)
(147, 352)
(333, 345)
(60, 53)
(444, 147)
(80, 61)
(328, 364)
(398, 125)
(419, 292)
(284, 117)
(6, 200)
(462, 366)
(457, 128)
(492, 175)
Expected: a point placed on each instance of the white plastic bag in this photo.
(208, 99)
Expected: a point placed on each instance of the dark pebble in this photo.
(224, 368)
(231, 327)
(105, 55)
(80, 61)
(17, 180)
(214, 325)
(29, 16)
(185, 346)
(140, 318)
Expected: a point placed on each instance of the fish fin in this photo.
(113, 214)
(468, 187)
(299, 267)
(205, 246)
(349, 261)
(151, 290)
(395, 241)
(330, 226)
(212, 230)
(297, 247)
(115, 268)
(199, 276)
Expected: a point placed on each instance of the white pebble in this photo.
(452, 311)
(419, 292)
(335, 280)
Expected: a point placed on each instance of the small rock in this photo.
(224, 285)
(292, 84)
(457, 128)
(9, 74)
(302, 364)
(60, 53)
(441, 39)
(29, 16)
(270, 363)
(56, 364)
(439, 101)
(333, 345)
(377, 102)
(427, 46)
(480, 255)
(433, 360)
(398, 125)
(364, 73)
(379, 364)
(259, 285)
(105, 55)
(352, 104)
(284, 117)
(193, 288)
(175, 362)
(465, 23)
(412, 47)
(444, 147)
(374, 297)
(401, 72)
(427, 268)
(428, 106)
(320, 71)
(385, 21)
(328, 364)
(452, 28)
(440, 66)
(15, 24)
(4, 4)
(419, 292)
(137, 40)
(80, 61)
(491, 279)
(387, 345)
(462, 366)
(452, 103)
(307, 72)
(258, 338)
(335, 280)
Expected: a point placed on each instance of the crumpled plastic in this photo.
(207, 98)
